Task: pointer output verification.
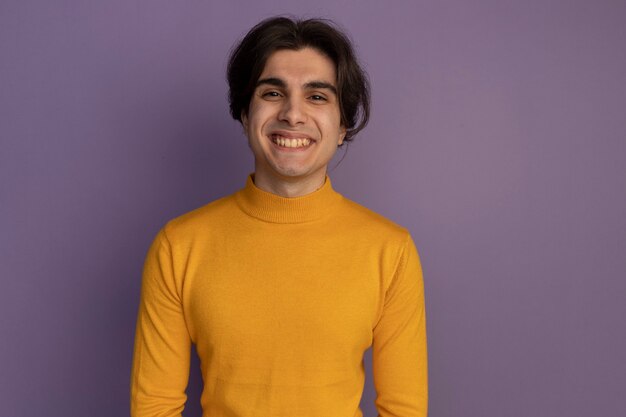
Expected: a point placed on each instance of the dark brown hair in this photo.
(248, 59)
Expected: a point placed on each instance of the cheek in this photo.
(258, 116)
(332, 126)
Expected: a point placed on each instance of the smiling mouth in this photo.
(284, 142)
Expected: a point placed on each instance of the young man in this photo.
(285, 284)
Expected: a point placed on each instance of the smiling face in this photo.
(293, 123)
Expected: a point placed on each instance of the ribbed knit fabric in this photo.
(281, 296)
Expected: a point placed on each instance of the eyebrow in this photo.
(277, 82)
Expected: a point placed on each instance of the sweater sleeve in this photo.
(399, 356)
(160, 370)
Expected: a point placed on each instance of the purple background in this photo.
(498, 138)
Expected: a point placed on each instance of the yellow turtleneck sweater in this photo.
(281, 296)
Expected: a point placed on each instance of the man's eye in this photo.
(271, 94)
(317, 97)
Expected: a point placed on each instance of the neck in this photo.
(289, 186)
(270, 207)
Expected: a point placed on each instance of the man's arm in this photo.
(399, 347)
(160, 370)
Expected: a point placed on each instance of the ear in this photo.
(244, 119)
(342, 135)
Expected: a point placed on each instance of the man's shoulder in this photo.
(201, 219)
(362, 218)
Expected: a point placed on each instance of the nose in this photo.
(292, 111)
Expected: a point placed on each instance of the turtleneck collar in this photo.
(277, 209)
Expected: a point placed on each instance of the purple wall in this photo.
(498, 138)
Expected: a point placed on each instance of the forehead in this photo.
(300, 65)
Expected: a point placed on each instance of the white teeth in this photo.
(291, 143)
